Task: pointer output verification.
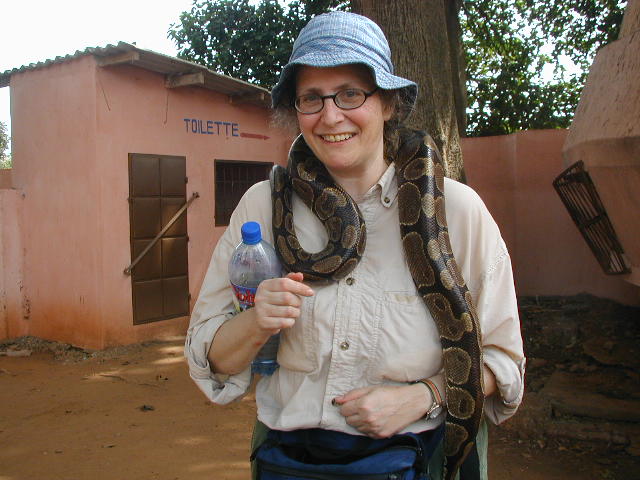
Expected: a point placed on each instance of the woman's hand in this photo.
(382, 411)
(489, 385)
(276, 306)
(277, 302)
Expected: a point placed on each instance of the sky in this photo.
(37, 30)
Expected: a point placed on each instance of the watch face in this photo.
(435, 412)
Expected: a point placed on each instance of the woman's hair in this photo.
(402, 107)
(284, 116)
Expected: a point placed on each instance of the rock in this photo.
(16, 353)
(624, 352)
(535, 384)
(633, 450)
(633, 432)
(533, 363)
(577, 367)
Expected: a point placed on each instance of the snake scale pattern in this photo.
(425, 240)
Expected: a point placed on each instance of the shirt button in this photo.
(386, 200)
(344, 346)
(350, 281)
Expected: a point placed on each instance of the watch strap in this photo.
(436, 398)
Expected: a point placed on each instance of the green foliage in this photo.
(243, 40)
(517, 51)
(517, 55)
(5, 158)
(578, 28)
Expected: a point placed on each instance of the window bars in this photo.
(580, 197)
(232, 179)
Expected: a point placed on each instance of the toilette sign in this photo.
(212, 127)
(218, 127)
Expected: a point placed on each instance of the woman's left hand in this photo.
(382, 411)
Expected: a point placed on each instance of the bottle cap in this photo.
(251, 233)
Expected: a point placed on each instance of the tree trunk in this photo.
(425, 41)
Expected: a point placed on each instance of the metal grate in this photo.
(580, 197)
(232, 180)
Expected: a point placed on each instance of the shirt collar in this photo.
(388, 186)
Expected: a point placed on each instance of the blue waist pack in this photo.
(317, 454)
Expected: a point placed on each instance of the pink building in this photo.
(109, 144)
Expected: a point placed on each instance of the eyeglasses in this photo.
(345, 99)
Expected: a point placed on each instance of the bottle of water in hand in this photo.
(253, 261)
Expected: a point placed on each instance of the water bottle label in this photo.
(243, 297)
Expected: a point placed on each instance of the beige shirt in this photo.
(371, 328)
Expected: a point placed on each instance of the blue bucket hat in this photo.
(341, 38)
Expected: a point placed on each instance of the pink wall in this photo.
(54, 164)
(514, 175)
(5, 177)
(12, 306)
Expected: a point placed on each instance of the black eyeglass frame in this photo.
(333, 97)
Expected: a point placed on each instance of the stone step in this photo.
(589, 431)
(619, 434)
(535, 420)
(572, 394)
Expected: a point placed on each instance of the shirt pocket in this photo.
(407, 345)
(297, 350)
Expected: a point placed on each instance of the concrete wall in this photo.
(514, 174)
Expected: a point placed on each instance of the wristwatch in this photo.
(436, 400)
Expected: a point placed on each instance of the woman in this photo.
(361, 352)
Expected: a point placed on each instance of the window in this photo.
(231, 181)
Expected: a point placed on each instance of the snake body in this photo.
(427, 248)
(334, 207)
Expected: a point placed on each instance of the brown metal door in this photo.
(160, 281)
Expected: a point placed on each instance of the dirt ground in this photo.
(133, 413)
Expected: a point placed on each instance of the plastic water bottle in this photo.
(253, 261)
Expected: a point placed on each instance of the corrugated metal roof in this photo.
(179, 72)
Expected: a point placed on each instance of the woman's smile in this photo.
(337, 137)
